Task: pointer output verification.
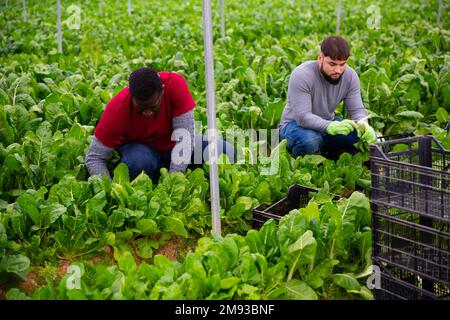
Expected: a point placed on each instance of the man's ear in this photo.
(320, 57)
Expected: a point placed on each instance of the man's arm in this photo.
(353, 101)
(96, 158)
(300, 99)
(185, 122)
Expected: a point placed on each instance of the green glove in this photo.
(343, 127)
(366, 132)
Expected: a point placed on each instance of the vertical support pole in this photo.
(100, 7)
(24, 5)
(439, 13)
(58, 14)
(211, 113)
(338, 17)
(222, 19)
(129, 8)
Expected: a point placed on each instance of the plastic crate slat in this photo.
(419, 273)
(396, 282)
(410, 224)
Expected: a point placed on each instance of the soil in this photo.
(2, 293)
(63, 267)
(30, 283)
(109, 251)
(106, 257)
(174, 249)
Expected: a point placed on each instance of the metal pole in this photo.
(24, 5)
(338, 16)
(222, 21)
(211, 113)
(439, 13)
(58, 14)
(129, 7)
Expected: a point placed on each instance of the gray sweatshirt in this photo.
(312, 100)
(98, 153)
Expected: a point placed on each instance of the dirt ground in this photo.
(2, 293)
(30, 283)
(175, 248)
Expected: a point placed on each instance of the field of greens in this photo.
(65, 235)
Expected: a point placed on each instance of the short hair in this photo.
(335, 47)
(144, 83)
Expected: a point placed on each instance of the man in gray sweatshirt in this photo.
(315, 89)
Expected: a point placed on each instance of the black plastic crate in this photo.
(397, 283)
(394, 136)
(389, 137)
(297, 197)
(399, 238)
(412, 174)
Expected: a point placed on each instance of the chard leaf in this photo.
(442, 115)
(194, 266)
(29, 207)
(147, 226)
(231, 248)
(121, 175)
(347, 281)
(311, 211)
(307, 239)
(51, 213)
(253, 240)
(228, 283)
(321, 272)
(175, 225)
(117, 218)
(262, 192)
(15, 263)
(144, 247)
(236, 210)
(299, 290)
(126, 262)
(410, 114)
(246, 201)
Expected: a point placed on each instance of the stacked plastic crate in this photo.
(410, 202)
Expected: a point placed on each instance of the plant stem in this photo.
(292, 269)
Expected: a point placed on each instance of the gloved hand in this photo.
(366, 132)
(343, 127)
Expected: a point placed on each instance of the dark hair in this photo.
(144, 83)
(335, 47)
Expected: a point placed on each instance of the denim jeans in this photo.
(141, 157)
(301, 141)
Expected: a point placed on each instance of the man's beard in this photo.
(330, 79)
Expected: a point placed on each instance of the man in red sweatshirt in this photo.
(140, 121)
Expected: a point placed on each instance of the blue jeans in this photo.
(141, 157)
(301, 141)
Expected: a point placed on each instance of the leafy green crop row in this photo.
(321, 251)
(50, 103)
